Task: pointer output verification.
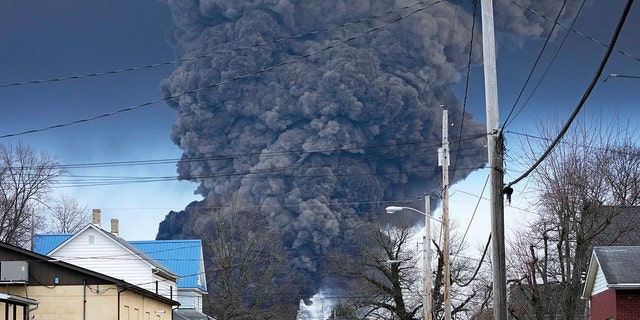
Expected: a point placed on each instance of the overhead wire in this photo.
(586, 95)
(216, 52)
(271, 174)
(99, 180)
(475, 210)
(586, 36)
(467, 82)
(584, 146)
(546, 71)
(236, 78)
(299, 246)
(484, 251)
(475, 273)
(408, 143)
(535, 64)
(156, 102)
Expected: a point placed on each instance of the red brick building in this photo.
(612, 287)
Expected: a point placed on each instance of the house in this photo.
(36, 286)
(184, 258)
(96, 249)
(612, 287)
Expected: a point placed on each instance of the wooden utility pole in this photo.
(426, 247)
(495, 153)
(445, 213)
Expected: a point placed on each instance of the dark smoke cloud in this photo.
(321, 143)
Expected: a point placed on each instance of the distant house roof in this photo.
(45, 243)
(620, 266)
(183, 257)
(622, 230)
(190, 314)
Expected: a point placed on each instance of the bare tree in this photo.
(67, 216)
(584, 186)
(388, 280)
(244, 274)
(470, 278)
(26, 177)
(344, 311)
(383, 280)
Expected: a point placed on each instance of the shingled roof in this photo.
(615, 267)
(620, 265)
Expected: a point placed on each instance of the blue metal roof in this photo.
(45, 243)
(183, 257)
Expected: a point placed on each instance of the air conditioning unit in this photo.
(14, 271)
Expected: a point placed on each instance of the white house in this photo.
(152, 264)
(96, 249)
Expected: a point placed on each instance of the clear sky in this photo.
(42, 40)
(51, 39)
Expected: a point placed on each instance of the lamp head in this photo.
(394, 209)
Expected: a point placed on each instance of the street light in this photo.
(615, 75)
(426, 252)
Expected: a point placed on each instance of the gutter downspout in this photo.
(32, 309)
(84, 297)
(119, 292)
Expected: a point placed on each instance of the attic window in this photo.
(91, 239)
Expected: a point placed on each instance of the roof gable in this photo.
(121, 243)
(613, 267)
(620, 265)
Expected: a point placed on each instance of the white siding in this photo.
(165, 287)
(600, 283)
(190, 299)
(93, 250)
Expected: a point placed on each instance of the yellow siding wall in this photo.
(66, 302)
(138, 307)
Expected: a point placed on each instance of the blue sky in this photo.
(47, 39)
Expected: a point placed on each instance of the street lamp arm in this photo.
(393, 209)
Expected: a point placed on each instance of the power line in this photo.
(215, 53)
(269, 174)
(585, 146)
(237, 78)
(468, 79)
(419, 147)
(584, 97)
(408, 143)
(475, 210)
(586, 36)
(535, 64)
(546, 71)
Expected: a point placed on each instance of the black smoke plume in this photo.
(322, 112)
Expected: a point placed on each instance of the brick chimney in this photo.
(95, 217)
(115, 227)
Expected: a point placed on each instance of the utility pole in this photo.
(495, 154)
(444, 158)
(426, 247)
